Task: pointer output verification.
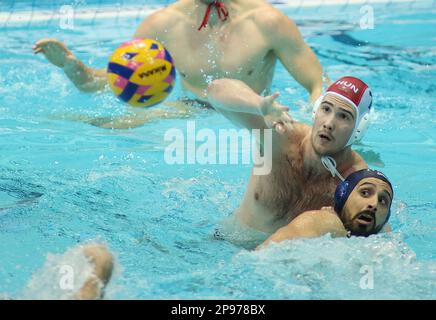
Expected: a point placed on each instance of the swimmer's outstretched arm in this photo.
(84, 78)
(244, 107)
(310, 224)
(92, 80)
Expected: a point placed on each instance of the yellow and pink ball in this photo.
(141, 73)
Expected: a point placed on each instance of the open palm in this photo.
(275, 115)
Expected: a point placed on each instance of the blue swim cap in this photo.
(344, 189)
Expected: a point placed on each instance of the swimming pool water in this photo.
(64, 182)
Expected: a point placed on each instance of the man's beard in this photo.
(359, 230)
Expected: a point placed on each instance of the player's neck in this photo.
(312, 159)
(201, 7)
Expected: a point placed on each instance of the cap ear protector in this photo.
(344, 189)
(356, 93)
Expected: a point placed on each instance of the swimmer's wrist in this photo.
(314, 95)
(82, 77)
(71, 62)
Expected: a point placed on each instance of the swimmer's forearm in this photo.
(234, 95)
(291, 232)
(84, 78)
(285, 233)
(315, 94)
(296, 56)
(310, 224)
(308, 72)
(310, 75)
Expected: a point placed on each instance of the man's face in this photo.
(333, 125)
(367, 207)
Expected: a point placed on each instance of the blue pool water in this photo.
(65, 182)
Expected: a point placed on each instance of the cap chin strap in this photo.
(221, 9)
(330, 164)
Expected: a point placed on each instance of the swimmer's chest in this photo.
(287, 193)
(230, 53)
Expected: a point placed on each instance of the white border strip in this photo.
(88, 14)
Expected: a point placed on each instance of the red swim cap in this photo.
(355, 91)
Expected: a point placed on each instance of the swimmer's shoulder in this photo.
(357, 163)
(273, 21)
(295, 132)
(289, 143)
(159, 21)
(302, 128)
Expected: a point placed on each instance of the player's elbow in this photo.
(215, 86)
(215, 89)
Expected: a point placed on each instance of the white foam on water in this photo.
(334, 268)
(49, 282)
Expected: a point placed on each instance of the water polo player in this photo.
(298, 180)
(209, 40)
(362, 207)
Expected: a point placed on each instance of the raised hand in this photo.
(275, 115)
(55, 51)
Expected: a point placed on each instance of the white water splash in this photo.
(46, 283)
